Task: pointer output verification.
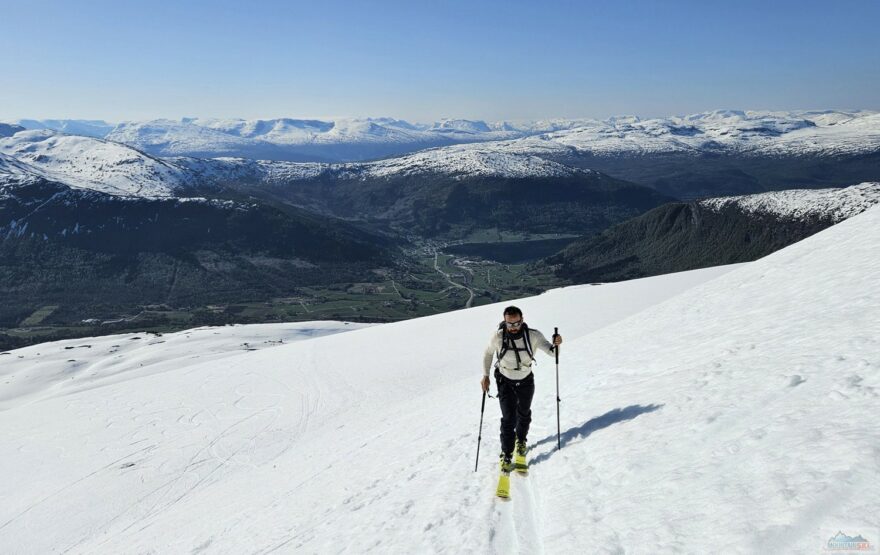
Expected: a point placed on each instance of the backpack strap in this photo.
(509, 343)
(527, 340)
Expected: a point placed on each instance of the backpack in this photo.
(508, 344)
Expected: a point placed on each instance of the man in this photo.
(513, 342)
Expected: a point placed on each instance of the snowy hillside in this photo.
(468, 160)
(89, 361)
(13, 170)
(96, 164)
(722, 410)
(802, 204)
(455, 161)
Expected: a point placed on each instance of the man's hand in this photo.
(485, 384)
(557, 339)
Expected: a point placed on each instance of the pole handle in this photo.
(556, 347)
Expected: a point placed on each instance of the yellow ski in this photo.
(503, 490)
(520, 464)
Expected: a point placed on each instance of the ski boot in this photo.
(506, 465)
(520, 464)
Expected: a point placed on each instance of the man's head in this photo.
(513, 319)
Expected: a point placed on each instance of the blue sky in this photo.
(422, 60)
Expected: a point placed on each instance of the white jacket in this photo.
(507, 365)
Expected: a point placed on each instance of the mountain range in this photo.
(721, 152)
(289, 139)
(92, 210)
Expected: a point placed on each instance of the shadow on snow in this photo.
(590, 426)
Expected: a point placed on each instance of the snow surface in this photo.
(803, 204)
(99, 361)
(725, 410)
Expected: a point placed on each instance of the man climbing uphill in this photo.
(514, 342)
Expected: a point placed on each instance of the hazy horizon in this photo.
(493, 60)
(425, 122)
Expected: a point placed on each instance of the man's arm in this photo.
(541, 342)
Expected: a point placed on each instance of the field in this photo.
(430, 282)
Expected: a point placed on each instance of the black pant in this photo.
(515, 398)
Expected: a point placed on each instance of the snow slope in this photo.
(13, 170)
(802, 204)
(96, 164)
(89, 362)
(259, 442)
(731, 410)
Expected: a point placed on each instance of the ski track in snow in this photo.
(213, 431)
(721, 410)
(230, 424)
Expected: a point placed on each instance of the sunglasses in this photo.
(513, 324)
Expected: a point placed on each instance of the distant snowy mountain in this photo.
(458, 161)
(722, 152)
(711, 154)
(727, 132)
(88, 128)
(287, 139)
(741, 400)
(8, 130)
(115, 168)
(449, 191)
(94, 164)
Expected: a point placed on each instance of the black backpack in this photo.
(508, 344)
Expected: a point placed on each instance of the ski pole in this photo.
(480, 435)
(558, 400)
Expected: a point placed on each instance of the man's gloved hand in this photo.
(485, 384)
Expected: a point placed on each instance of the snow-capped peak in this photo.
(461, 125)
